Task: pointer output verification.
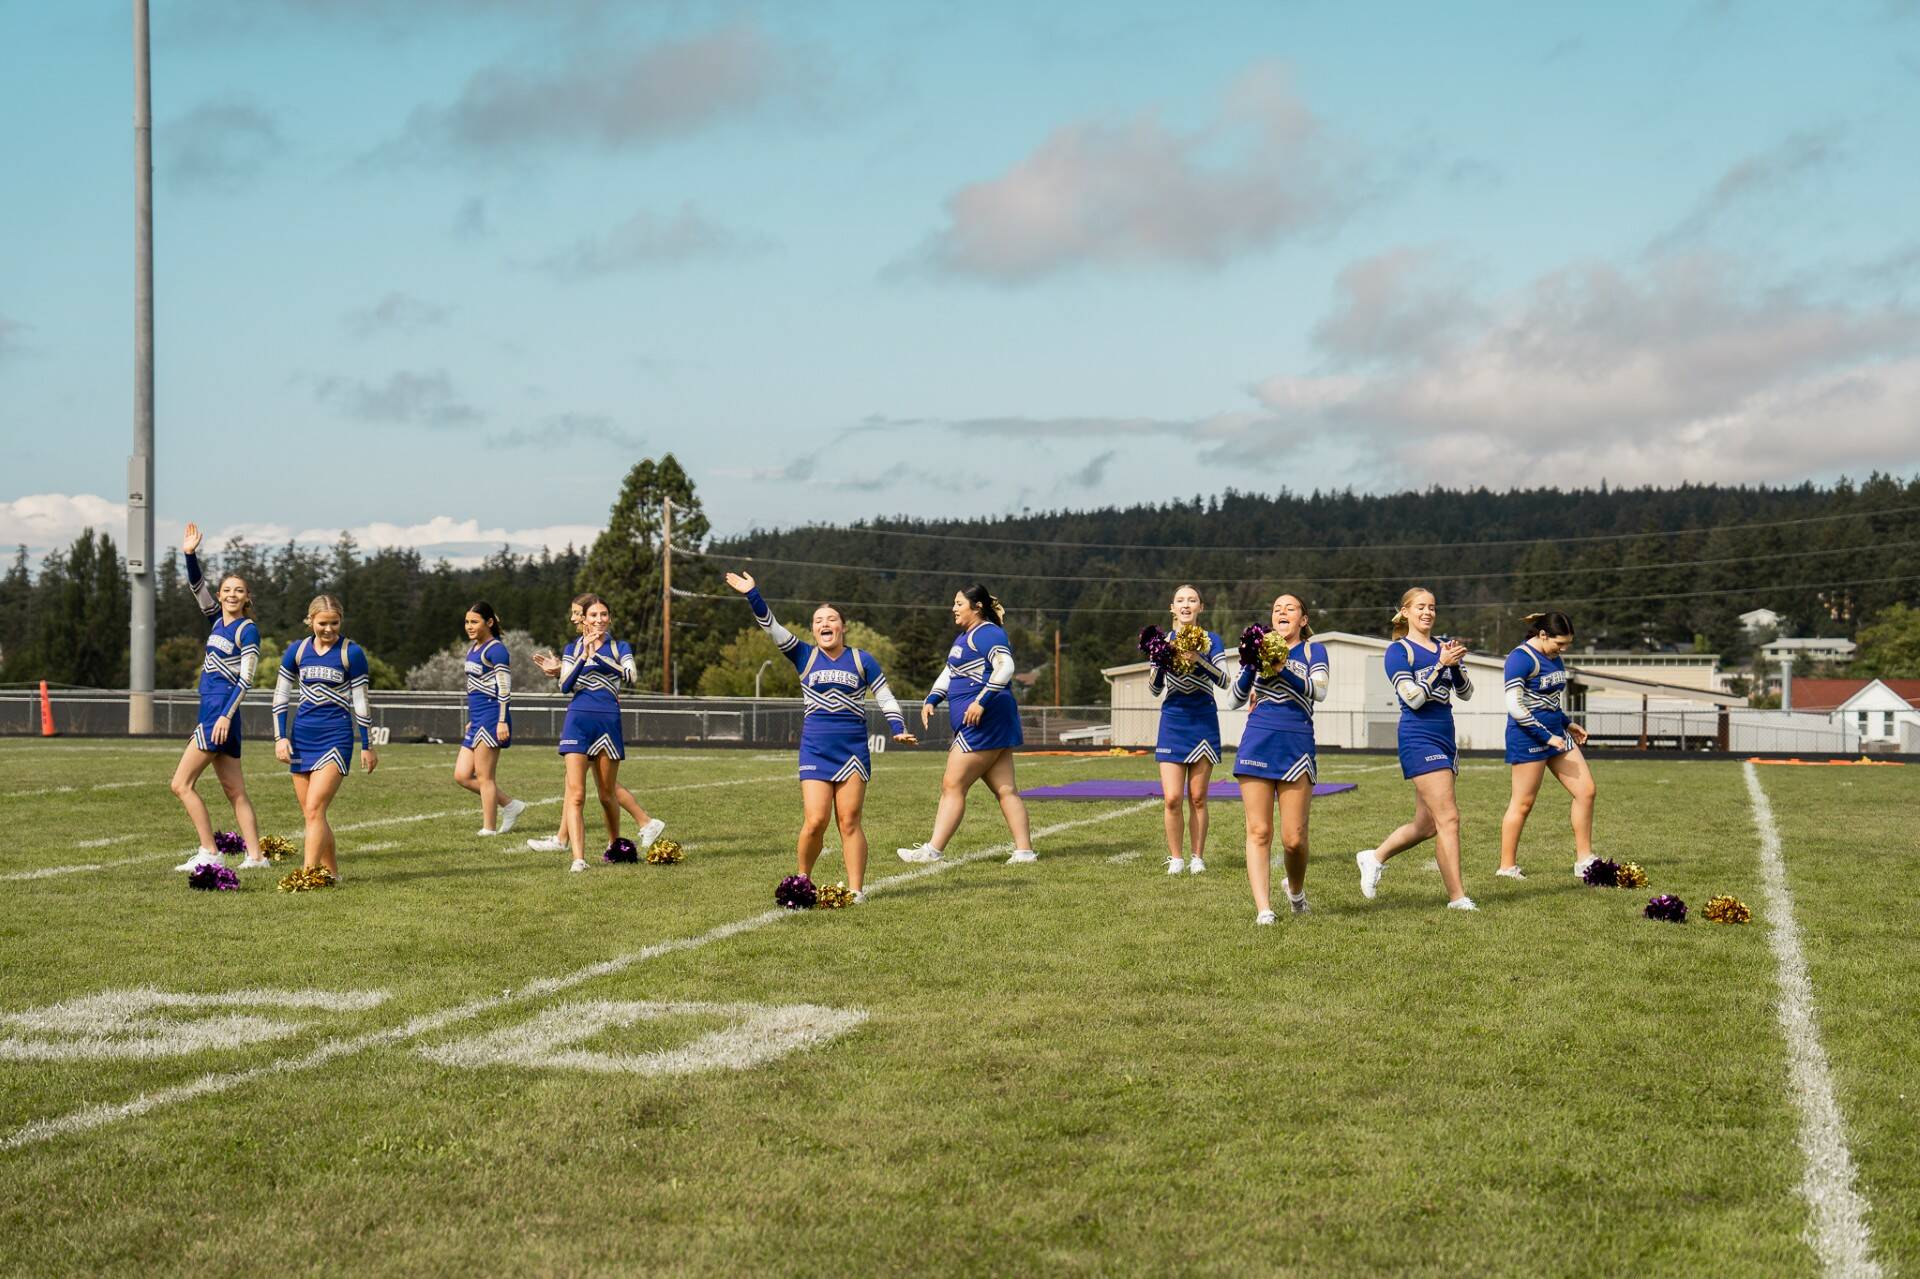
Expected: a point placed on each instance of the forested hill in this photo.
(1634, 567)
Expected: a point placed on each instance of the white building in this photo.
(1819, 650)
(1760, 619)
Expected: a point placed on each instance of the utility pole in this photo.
(1056, 666)
(666, 595)
(140, 465)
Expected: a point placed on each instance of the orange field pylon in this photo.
(46, 711)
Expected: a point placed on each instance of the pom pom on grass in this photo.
(621, 851)
(796, 892)
(1631, 876)
(666, 852)
(212, 877)
(835, 896)
(274, 848)
(307, 879)
(1727, 909)
(1668, 907)
(1601, 873)
(226, 842)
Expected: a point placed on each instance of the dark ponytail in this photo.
(1553, 624)
(983, 602)
(487, 615)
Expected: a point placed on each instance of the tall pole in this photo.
(1056, 666)
(140, 466)
(666, 595)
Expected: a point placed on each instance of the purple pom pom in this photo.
(1250, 646)
(229, 841)
(1601, 873)
(210, 877)
(621, 850)
(1149, 636)
(796, 892)
(1668, 907)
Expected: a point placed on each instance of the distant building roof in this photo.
(1834, 644)
(1831, 694)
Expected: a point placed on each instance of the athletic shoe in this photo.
(919, 853)
(1511, 872)
(1022, 856)
(1263, 918)
(549, 844)
(860, 897)
(1196, 867)
(511, 814)
(578, 865)
(650, 832)
(255, 863)
(486, 832)
(201, 857)
(1371, 868)
(1580, 865)
(1299, 904)
(1175, 866)
(1462, 903)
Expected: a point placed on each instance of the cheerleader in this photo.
(233, 650)
(1540, 737)
(329, 674)
(834, 759)
(592, 670)
(977, 687)
(489, 720)
(1188, 745)
(1275, 763)
(1428, 676)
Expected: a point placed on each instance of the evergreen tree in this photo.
(623, 567)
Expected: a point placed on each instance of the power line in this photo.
(1332, 547)
(1570, 570)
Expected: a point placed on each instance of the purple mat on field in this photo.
(1108, 788)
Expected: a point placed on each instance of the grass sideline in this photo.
(1076, 1066)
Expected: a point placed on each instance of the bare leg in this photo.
(1572, 772)
(463, 774)
(999, 778)
(1173, 789)
(486, 759)
(193, 761)
(1436, 797)
(626, 800)
(322, 785)
(233, 780)
(1409, 834)
(849, 799)
(963, 770)
(1199, 779)
(1296, 799)
(1256, 797)
(816, 810)
(1526, 786)
(606, 780)
(573, 813)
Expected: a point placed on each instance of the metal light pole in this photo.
(140, 466)
(757, 674)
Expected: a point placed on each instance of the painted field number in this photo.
(755, 1034)
(148, 1023)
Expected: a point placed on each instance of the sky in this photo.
(439, 271)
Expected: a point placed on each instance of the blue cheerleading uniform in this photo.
(980, 670)
(1277, 743)
(1189, 717)
(489, 694)
(833, 717)
(1426, 691)
(331, 689)
(592, 726)
(1535, 715)
(233, 651)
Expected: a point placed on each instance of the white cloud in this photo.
(44, 521)
(648, 239)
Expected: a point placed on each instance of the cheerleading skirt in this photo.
(833, 751)
(1275, 754)
(1189, 731)
(320, 740)
(1524, 748)
(1422, 750)
(483, 718)
(590, 732)
(213, 702)
(998, 729)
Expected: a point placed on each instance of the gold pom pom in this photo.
(306, 879)
(833, 897)
(1190, 644)
(666, 852)
(1273, 654)
(275, 848)
(1727, 909)
(1631, 876)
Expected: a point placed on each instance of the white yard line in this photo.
(1121, 859)
(99, 1116)
(1840, 1235)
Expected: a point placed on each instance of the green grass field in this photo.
(1079, 1066)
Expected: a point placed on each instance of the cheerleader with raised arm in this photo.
(1541, 739)
(489, 720)
(592, 672)
(1186, 670)
(835, 762)
(327, 676)
(977, 687)
(1275, 763)
(1428, 676)
(226, 673)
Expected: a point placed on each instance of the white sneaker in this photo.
(511, 814)
(486, 832)
(255, 863)
(1299, 904)
(1462, 903)
(201, 857)
(578, 865)
(1196, 867)
(1022, 856)
(860, 897)
(1176, 866)
(919, 853)
(1580, 865)
(1371, 868)
(1511, 872)
(650, 832)
(1263, 918)
(548, 844)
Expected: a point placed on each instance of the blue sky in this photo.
(438, 270)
